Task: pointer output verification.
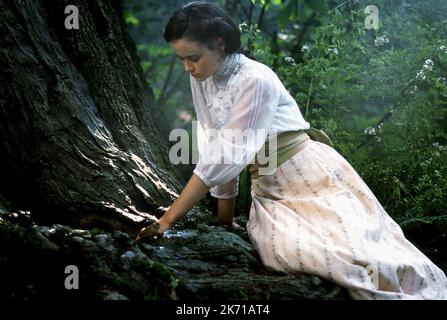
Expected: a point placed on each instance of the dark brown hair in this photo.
(203, 22)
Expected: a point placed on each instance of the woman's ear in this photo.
(220, 43)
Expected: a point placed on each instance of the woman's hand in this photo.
(153, 230)
(236, 226)
(148, 232)
(194, 190)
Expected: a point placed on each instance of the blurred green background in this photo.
(380, 94)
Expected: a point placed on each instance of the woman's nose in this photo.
(188, 66)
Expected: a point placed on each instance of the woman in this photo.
(313, 214)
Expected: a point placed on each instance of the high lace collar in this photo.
(227, 67)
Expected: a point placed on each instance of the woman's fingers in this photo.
(236, 226)
(138, 235)
(148, 232)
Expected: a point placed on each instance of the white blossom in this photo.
(370, 131)
(290, 60)
(428, 64)
(333, 50)
(443, 48)
(380, 41)
(243, 26)
(427, 67)
(421, 75)
(185, 116)
(285, 36)
(439, 146)
(305, 48)
(442, 80)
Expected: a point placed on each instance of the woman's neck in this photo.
(225, 69)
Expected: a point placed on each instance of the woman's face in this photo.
(197, 59)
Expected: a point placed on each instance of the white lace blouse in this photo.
(242, 94)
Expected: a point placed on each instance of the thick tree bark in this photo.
(76, 137)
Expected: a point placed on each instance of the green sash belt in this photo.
(288, 144)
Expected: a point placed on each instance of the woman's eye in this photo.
(192, 59)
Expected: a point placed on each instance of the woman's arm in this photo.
(225, 211)
(194, 190)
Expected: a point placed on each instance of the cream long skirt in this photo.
(316, 215)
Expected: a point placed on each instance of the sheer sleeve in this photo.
(228, 190)
(230, 148)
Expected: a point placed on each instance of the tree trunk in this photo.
(77, 138)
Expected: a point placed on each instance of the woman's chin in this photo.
(199, 77)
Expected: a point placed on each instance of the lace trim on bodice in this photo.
(219, 89)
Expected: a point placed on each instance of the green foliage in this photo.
(96, 231)
(292, 9)
(131, 19)
(381, 95)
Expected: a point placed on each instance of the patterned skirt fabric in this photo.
(316, 215)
